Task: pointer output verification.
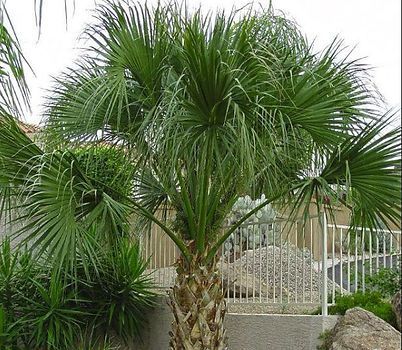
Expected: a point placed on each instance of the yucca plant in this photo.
(9, 331)
(17, 270)
(119, 292)
(91, 340)
(9, 282)
(51, 316)
(208, 108)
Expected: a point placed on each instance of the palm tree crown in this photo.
(208, 108)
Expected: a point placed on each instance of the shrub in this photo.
(41, 310)
(386, 281)
(52, 317)
(107, 165)
(326, 340)
(119, 291)
(370, 301)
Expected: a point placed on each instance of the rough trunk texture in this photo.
(198, 308)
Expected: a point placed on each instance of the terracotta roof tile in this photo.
(28, 128)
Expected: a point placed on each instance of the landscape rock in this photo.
(361, 329)
(396, 306)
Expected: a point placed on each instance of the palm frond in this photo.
(59, 207)
(362, 173)
(14, 92)
(213, 107)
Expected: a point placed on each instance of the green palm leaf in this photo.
(210, 108)
(59, 207)
(365, 169)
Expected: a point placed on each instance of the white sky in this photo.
(373, 26)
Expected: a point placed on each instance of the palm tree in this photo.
(14, 92)
(208, 108)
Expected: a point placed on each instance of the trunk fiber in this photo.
(198, 308)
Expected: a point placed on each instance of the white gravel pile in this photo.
(256, 276)
(300, 280)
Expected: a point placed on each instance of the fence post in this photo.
(324, 296)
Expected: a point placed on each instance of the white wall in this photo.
(248, 332)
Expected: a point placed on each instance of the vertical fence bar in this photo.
(324, 297)
(227, 268)
(348, 266)
(163, 263)
(311, 260)
(234, 266)
(333, 264)
(247, 256)
(253, 269)
(370, 253)
(158, 256)
(274, 262)
(240, 263)
(221, 268)
(340, 262)
(296, 250)
(260, 256)
(267, 262)
(390, 249)
(384, 250)
(377, 248)
(288, 265)
(303, 271)
(321, 255)
(363, 260)
(280, 265)
(356, 263)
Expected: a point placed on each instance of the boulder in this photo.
(396, 306)
(361, 329)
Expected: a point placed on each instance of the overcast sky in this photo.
(373, 26)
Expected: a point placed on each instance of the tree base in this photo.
(198, 308)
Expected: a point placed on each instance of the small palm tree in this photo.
(207, 108)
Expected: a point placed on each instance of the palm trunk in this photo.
(198, 308)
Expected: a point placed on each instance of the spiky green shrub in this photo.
(51, 317)
(119, 291)
(43, 310)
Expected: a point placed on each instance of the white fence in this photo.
(282, 262)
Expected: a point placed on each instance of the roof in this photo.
(28, 128)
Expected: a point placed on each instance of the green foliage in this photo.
(14, 91)
(370, 301)
(326, 340)
(208, 108)
(42, 309)
(110, 166)
(51, 317)
(91, 340)
(387, 281)
(6, 338)
(119, 291)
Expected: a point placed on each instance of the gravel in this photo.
(300, 281)
(262, 268)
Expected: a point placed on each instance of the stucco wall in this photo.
(248, 332)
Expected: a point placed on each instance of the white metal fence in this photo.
(282, 262)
